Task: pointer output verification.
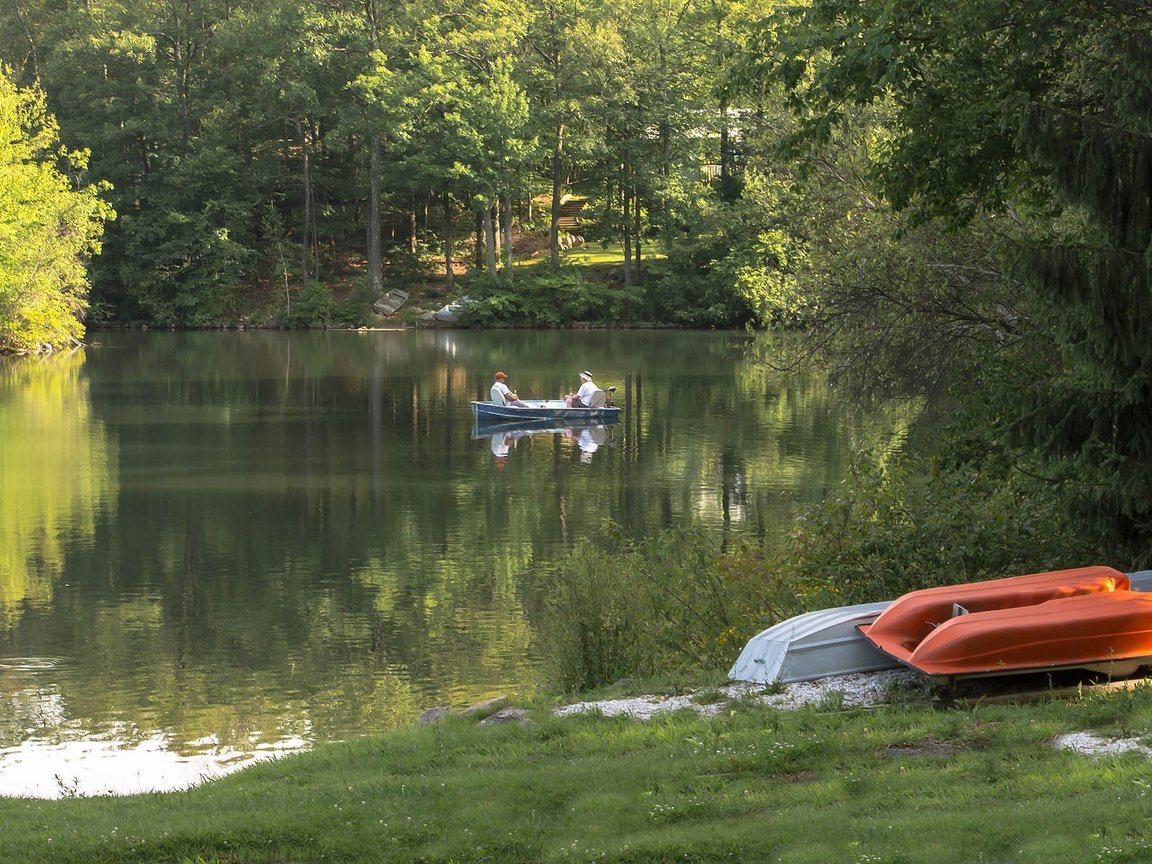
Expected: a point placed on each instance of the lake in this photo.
(219, 547)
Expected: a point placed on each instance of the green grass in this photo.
(903, 784)
(594, 255)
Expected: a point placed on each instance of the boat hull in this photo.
(543, 426)
(1087, 618)
(813, 645)
(543, 409)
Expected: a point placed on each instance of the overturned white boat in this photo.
(813, 645)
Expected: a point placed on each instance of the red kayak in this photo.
(1085, 618)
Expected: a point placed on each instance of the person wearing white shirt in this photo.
(501, 395)
(582, 398)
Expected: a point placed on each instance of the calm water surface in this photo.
(215, 547)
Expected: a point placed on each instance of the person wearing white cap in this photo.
(582, 398)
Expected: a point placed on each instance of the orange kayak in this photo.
(1085, 618)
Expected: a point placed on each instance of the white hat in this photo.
(586, 374)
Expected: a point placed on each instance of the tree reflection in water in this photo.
(230, 541)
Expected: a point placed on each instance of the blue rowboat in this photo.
(544, 409)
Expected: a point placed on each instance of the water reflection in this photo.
(215, 546)
(57, 473)
(501, 444)
(589, 441)
(502, 438)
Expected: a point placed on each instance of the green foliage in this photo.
(1042, 117)
(48, 227)
(318, 307)
(547, 298)
(310, 307)
(594, 633)
(651, 607)
(254, 127)
(891, 529)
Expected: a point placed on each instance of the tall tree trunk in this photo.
(478, 242)
(508, 235)
(725, 168)
(557, 186)
(374, 277)
(449, 275)
(372, 17)
(314, 135)
(625, 199)
(307, 230)
(32, 52)
(489, 242)
(183, 96)
(412, 226)
(496, 227)
(636, 231)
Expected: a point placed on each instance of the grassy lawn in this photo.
(898, 784)
(593, 255)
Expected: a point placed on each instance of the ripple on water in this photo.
(30, 664)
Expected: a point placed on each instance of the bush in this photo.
(593, 634)
(310, 307)
(48, 228)
(666, 604)
(890, 530)
(677, 602)
(547, 298)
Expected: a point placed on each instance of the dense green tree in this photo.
(129, 82)
(499, 112)
(564, 49)
(1035, 118)
(48, 226)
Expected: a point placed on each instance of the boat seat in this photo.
(597, 399)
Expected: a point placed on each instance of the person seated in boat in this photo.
(582, 398)
(502, 396)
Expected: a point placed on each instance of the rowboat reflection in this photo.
(502, 437)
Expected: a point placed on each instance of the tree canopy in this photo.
(48, 227)
(1033, 122)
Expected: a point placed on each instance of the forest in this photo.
(930, 192)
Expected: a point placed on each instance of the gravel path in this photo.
(857, 690)
(863, 689)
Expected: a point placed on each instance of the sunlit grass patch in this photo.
(592, 254)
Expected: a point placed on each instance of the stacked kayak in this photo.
(1086, 618)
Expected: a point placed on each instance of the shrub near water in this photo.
(887, 531)
(666, 604)
(545, 298)
(678, 602)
